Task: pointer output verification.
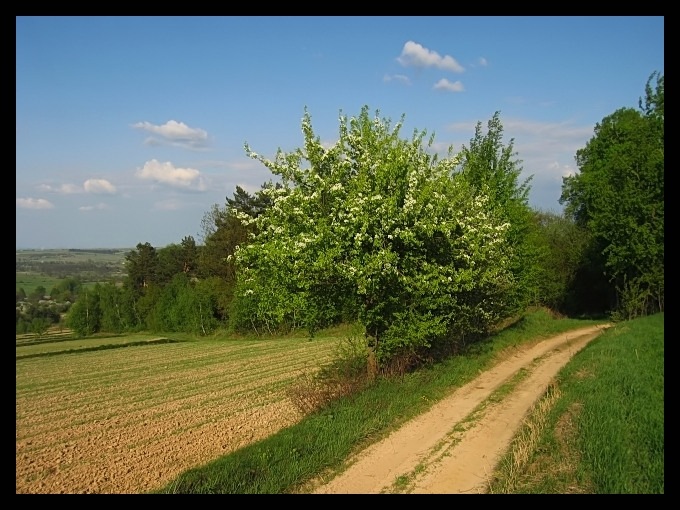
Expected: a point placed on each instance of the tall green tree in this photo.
(189, 256)
(493, 169)
(378, 229)
(618, 196)
(184, 306)
(85, 316)
(169, 263)
(141, 266)
(117, 308)
(564, 260)
(178, 258)
(223, 231)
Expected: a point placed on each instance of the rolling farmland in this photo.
(128, 420)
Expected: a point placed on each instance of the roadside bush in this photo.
(346, 375)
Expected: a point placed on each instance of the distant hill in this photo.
(95, 264)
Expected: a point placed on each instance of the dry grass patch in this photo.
(551, 469)
(516, 464)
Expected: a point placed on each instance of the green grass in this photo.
(32, 347)
(31, 281)
(319, 444)
(603, 431)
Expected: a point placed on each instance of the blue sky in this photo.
(129, 129)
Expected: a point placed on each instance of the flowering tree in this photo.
(492, 168)
(377, 229)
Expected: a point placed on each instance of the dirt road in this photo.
(448, 451)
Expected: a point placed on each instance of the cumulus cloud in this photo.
(99, 186)
(34, 203)
(445, 84)
(97, 207)
(416, 55)
(174, 133)
(65, 189)
(397, 77)
(167, 173)
(95, 186)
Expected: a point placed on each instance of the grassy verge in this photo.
(600, 427)
(319, 444)
(32, 347)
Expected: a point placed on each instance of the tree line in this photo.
(425, 252)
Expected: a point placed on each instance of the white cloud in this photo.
(34, 203)
(397, 77)
(167, 173)
(97, 207)
(174, 133)
(99, 186)
(445, 84)
(483, 62)
(65, 189)
(96, 186)
(414, 54)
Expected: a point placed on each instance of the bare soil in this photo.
(452, 449)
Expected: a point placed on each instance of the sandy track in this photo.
(432, 457)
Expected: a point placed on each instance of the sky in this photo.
(130, 129)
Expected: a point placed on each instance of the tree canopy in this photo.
(618, 196)
(377, 228)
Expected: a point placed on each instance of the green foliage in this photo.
(67, 290)
(492, 168)
(177, 258)
(182, 306)
(220, 294)
(117, 309)
(22, 326)
(104, 308)
(85, 315)
(563, 246)
(223, 231)
(142, 267)
(37, 294)
(39, 326)
(618, 196)
(378, 229)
